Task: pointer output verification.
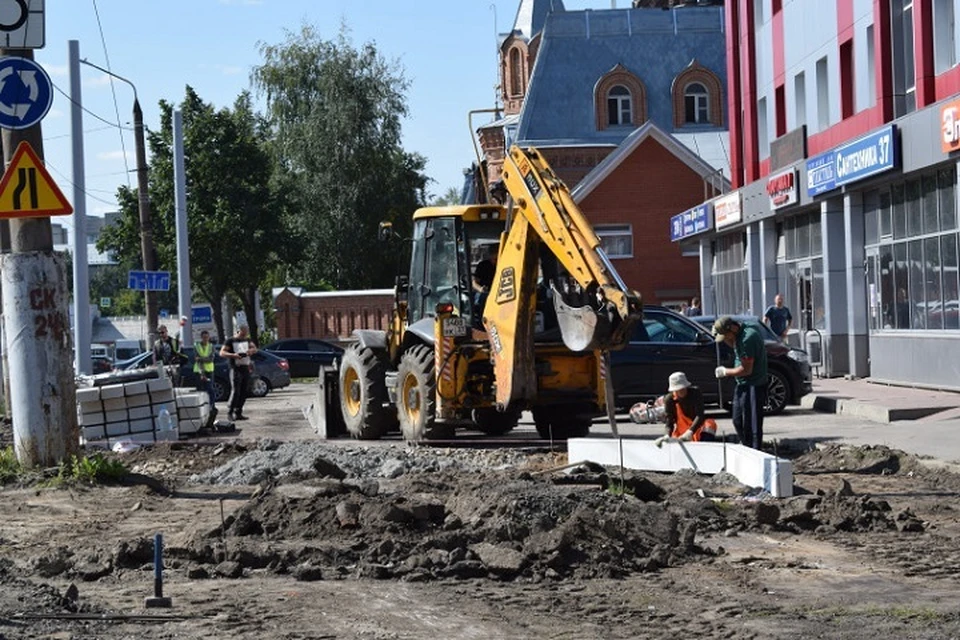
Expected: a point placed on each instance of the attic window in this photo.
(619, 110)
(696, 100)
(516, 73)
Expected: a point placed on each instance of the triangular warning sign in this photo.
(27, 190)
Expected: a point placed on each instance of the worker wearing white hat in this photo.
(684, 413)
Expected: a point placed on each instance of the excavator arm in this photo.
(595, 309)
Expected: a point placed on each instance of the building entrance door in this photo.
(805, 296)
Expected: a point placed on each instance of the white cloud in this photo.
(57, 70)
(102, 80)
(228, 70)
(55, 113)
(115, 155)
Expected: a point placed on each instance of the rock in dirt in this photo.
(133, 554)
(307, 573)
(229, 569)
(54, 563)
(499, 559)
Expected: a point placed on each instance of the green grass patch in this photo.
(617, 489)
(95, 469)
(9, 465)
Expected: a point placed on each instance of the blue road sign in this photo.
(148, 280)
(202, 314)
(26, 93)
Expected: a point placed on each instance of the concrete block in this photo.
(90, 419)
(118, 429)
(190, 398)
(164, 396)
(141, 426)
(139, 413)
(160, 384)
(93, 432)
(114, 404)
(112, 391)
(139, 400)
(89, 394)
(91, 407)
(751, 467)
(117, 416)
(135, 388)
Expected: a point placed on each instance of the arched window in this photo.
(516, 73)
(696, 102)
(619, 109)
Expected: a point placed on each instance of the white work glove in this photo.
(687, 436)
(720, 372)
(659, 441)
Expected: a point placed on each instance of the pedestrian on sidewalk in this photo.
(778, 317)
(684, 412)
(694, 308)
(238, 350)
(750, 371)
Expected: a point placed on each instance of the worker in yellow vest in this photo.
(203, 366)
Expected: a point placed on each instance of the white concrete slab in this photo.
(751, 467)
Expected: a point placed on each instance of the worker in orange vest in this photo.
(684, 413)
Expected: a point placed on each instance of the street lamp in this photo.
(143, 198)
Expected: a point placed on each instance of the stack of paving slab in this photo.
(130, 411)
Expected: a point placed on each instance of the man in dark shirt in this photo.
(238, 350)
(778, 317)
(750, 371)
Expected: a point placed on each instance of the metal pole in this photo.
(183, 245)
(37, 325)
(81, 278)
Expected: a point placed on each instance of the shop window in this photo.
(951, 282)
(946, 184)
(912, 205)
(932, 273)
(928, 188)
(616, 239)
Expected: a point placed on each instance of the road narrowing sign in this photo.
(28, 191)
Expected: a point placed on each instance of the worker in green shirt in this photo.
(750, 371)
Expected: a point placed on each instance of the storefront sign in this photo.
(726, 210)
(690, 222)
(788, 148)
(862, 158)
(782, 189)
(950, 129)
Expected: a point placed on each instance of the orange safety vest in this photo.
(684, 423)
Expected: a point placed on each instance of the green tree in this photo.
(233, 220)
(335, 112)
(450, 197)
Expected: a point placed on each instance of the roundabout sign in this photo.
(21, 24)
(26, 93)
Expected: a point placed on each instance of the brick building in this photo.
(331, 315)
(627, 106)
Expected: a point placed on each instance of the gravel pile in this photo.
(275, 460)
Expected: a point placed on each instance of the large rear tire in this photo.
(417, 395)
(561, 422)
(496, 423)
(363, 394)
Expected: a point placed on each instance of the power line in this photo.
(85, 192)
(103, 120)
(85, 131)
(113, 89)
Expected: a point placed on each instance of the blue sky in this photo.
(446, 47)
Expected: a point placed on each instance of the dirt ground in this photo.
(340, 540)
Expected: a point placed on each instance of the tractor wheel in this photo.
(561, 422)
(417, 395)
(495, 423)
(363, 394)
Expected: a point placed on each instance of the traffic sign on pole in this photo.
(26, 93)
(27, 190)
(148, 280)
(22, 24)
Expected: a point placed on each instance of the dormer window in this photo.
(618, 106)
(696, 100)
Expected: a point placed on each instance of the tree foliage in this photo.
(335, 111)
(233, 222)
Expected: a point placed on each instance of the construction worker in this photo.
(166, 350)
(203, 365)
(684, 413)
(750, 371)
(238, 350)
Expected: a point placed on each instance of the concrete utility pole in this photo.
(42, 387)
(184, 292)
(81, 271)
(143, 198)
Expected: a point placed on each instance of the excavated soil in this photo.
(309, 539)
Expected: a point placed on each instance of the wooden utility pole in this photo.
(146, 223)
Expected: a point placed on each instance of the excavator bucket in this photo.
(582, 328)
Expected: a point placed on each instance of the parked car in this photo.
(305, 355)
(666, 341)
(270, 372)
(101, 364)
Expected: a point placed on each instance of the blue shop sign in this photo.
(854, 161)
(690, 222)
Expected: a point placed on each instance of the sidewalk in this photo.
(881, 402)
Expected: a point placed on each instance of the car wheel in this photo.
(221, 390)
(259, 387)
(778, 391)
